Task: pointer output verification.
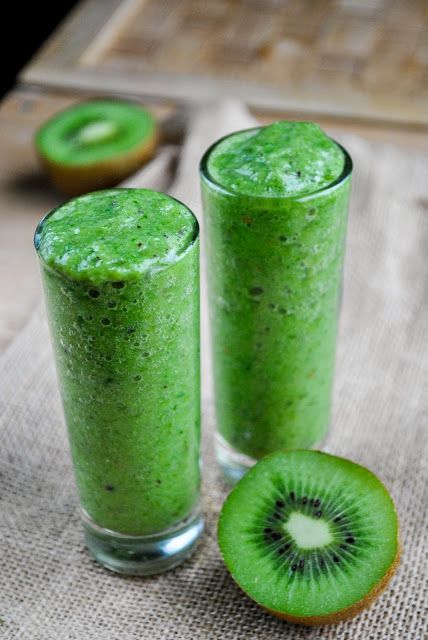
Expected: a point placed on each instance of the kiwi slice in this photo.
(310, 537)
(96, 144)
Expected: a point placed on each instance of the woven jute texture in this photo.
(50, 588)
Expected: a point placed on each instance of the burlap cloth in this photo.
(50, 589)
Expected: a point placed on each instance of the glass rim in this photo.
(206, 175)
(40, 224)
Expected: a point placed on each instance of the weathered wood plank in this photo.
(346, 59)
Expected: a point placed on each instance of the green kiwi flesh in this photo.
(94, 131)
(311, 537)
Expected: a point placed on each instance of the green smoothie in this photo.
(275, 202)
(121, 277)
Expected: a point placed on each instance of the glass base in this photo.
(143, 555)
(233, 464)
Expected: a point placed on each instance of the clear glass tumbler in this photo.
(120, 270)
(274, 266)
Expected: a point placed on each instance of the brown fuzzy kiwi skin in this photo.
(74, 180)
(349, 612)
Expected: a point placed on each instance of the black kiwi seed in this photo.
(317, 502)
(277, 515)
(292, 496)
(294, 567)
(337, 519)
(350, 539)
(280, 504)
(304, 500)
(276, 535)
(267, 531)
(301, 563)
(336, 559)
(318, 514)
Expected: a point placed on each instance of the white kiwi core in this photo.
(97, 131)
(307, 532)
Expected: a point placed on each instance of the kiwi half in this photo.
(96, 144)
(310, 537)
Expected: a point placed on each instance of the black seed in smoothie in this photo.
(146, 354)
(130, 330)
(140, 244)
(109, 487)
(93, 293)
(118, 285)
(256, 291)
(158, 481)
(105, 322)
(108, 380)
(137, 378)
(111, 304)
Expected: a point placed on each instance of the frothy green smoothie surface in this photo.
(116, 233)
(282, 159)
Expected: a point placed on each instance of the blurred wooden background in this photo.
(358, 58)
(360, 65)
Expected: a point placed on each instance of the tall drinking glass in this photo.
(120, 270)
(275, 208)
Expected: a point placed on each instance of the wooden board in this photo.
(350, 58)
